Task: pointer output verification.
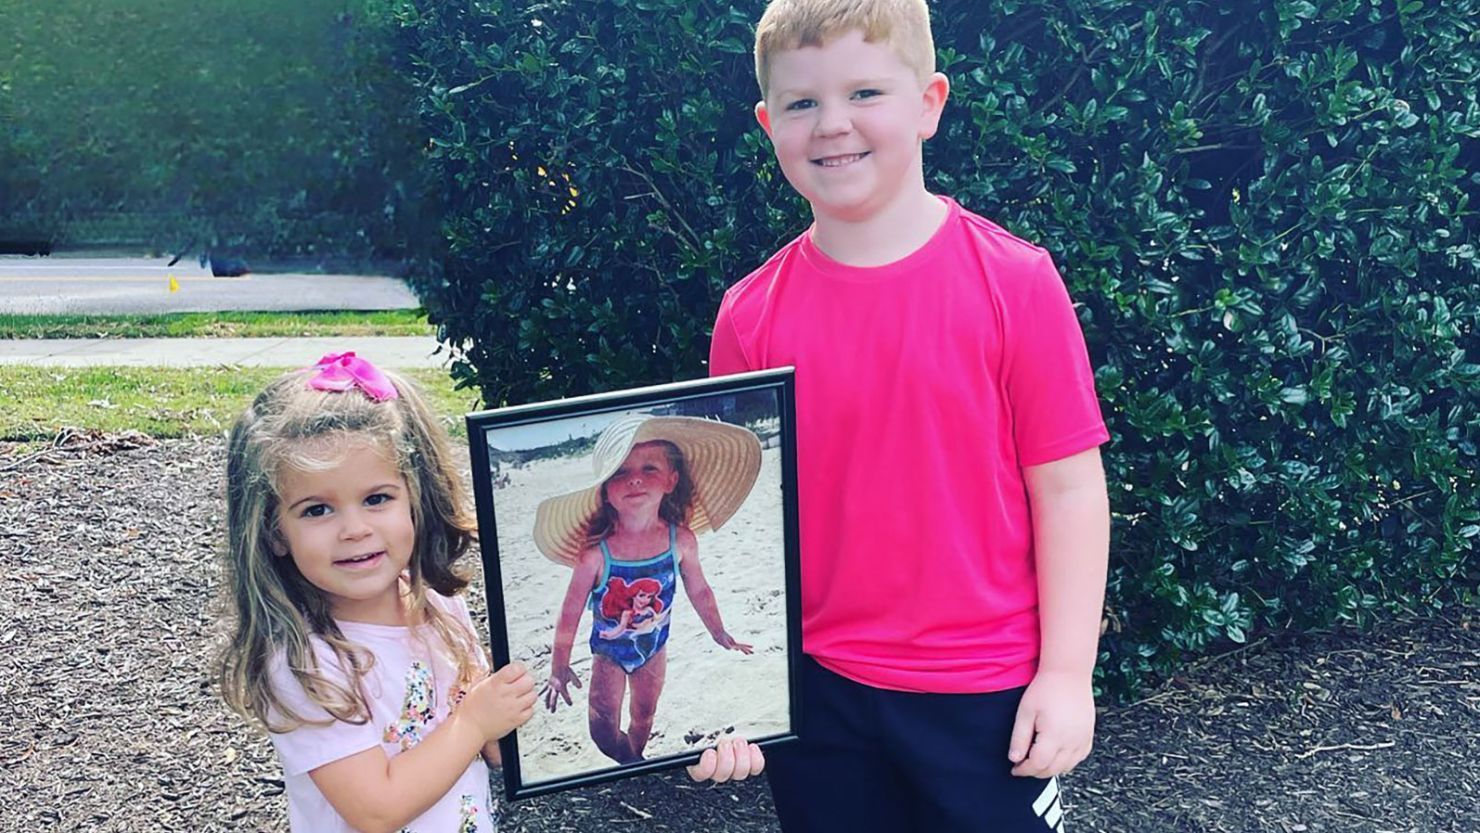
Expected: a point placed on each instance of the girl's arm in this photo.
(700, 594)
(491, 754)
(373, 791)
(582, 580)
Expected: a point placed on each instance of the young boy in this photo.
(954, 521)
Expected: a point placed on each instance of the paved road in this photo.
(63, 285)
(387, 351)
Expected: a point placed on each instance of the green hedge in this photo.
(275, 127)
(1264, 211)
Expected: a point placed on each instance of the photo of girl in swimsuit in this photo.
(640, 562)
(628, 554)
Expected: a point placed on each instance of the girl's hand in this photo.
(728, 643)
(501, 702)
(558, 686)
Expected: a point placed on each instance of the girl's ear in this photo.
(276, 543)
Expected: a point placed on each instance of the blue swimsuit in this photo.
(632, 650)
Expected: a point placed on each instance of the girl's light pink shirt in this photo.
(411, 691)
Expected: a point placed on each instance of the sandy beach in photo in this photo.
(709, 690)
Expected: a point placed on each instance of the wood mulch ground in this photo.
(109, 566)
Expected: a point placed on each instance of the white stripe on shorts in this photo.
(1048, 807)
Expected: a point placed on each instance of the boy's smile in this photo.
(839, 161)
(847, 120)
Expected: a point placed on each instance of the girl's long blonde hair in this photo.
(277, 610)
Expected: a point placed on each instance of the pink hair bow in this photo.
(342, 371)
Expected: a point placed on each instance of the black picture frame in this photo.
(751, 563)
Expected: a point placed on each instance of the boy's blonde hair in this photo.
(902, 25)
(277, 610)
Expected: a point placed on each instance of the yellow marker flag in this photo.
(174, 284)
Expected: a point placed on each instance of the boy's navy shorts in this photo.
(874, 759)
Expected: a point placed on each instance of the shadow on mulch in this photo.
(109, 565)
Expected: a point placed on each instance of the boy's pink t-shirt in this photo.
(923, 389)
(411, 691)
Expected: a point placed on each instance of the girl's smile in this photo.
(348, 529)
(645, 477)
(360, 562)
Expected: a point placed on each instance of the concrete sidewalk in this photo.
(386, 351)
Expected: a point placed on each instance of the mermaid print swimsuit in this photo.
(632, 648)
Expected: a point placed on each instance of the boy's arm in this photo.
(1071, 540)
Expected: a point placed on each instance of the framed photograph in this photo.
(640, 559)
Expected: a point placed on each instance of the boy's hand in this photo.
(558, 686)
(1055, 725)
(501, 702)
(732, 759)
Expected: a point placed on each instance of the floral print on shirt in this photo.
(467, 811)
(420, 706)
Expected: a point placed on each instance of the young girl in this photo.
(629, 537)
(345, 518)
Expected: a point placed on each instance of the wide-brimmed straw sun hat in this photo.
(723, 461)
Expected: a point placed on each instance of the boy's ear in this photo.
(937, 90)
(763, 116)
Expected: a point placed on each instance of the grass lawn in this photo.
(218, 325)
(162, 402)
